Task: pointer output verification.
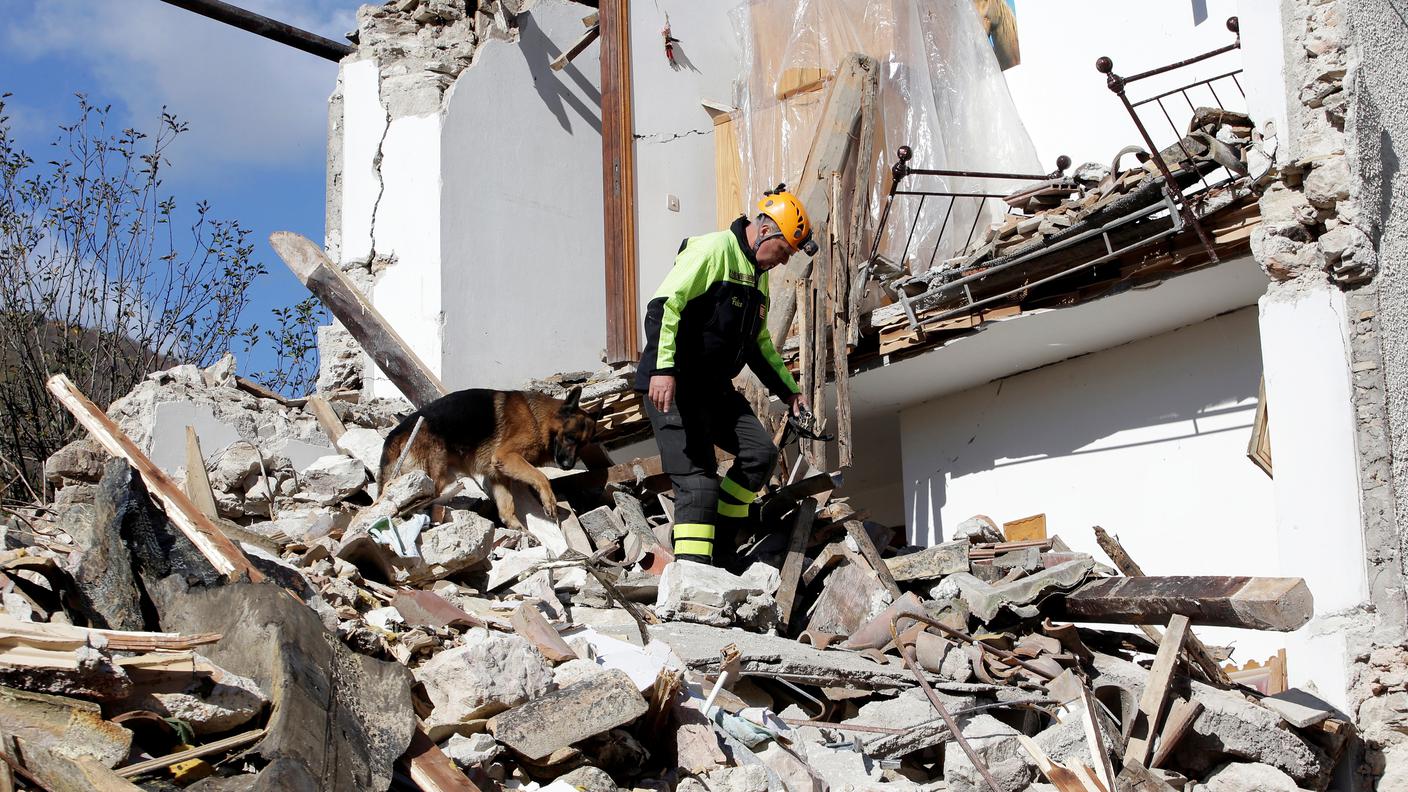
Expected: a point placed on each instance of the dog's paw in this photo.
(551, 510)
(513, 524)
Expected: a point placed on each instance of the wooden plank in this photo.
(224, 555)
(1099, 756)
(839, 299)
(209, 749)
(197, 479)
(829, 150)
(1151, 701)
(728, 172)
(327, 419)
(796, 555)
(1252, 603)
(387, 349)
(561, 61)
(1181, 715)
(799, 79)
(859, 239)
(859, 535)
(431, 769)
(618, 170)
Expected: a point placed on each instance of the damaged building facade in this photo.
(1133, 411)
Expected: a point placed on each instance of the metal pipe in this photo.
(271, 29)
(907, 655)
(1232, 25)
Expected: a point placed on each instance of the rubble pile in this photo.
(382, 635)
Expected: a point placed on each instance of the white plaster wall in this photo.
(407, 230)
(1148, 440)
(521, 228)
(674, 134)
(1063, 100)
(364, 124)
(1263, 58)
(1308, 392)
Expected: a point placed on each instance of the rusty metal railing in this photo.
(1118, 86)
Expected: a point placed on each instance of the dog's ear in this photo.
(573, 396)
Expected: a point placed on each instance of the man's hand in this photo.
(662, 391)
(798, 402)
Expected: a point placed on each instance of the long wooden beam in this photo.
(835, 137)
(223, 554)
(1253, 603)
(618, 172)
(378, 338)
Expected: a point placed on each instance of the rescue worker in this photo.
(708, 319)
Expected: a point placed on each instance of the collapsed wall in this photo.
(1332, 234)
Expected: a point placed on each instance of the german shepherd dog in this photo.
(499, 436)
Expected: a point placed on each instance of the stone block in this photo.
(996, 744)
(574, 713)
(456, 545)
(931, 562)
(487, 675)
(709, 595)
(331, 479)
(364, 445)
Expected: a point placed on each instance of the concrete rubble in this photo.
(404, 611)
(381, 634)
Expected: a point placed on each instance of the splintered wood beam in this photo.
(830, 148)
(618, 171)
(197, 479)
(224, 555)
(1196, 649)
(387, 349)
(1251, 603)
(857, 532)
(1151, 701)
(327, 419)
(561, 61)
(796, 556)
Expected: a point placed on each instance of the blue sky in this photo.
(257, 110)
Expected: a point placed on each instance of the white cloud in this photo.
(249, 101)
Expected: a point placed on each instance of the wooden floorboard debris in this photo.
(1151, 701)
(796, 556)
(867, 549)
(212, 543)
(1253, 603)
(387, 349)
(1135, 777)
(1058, 775)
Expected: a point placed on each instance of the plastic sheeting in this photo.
(941, 93)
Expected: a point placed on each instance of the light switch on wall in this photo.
(672, 203)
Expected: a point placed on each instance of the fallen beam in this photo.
(1196, 649)
(224, 555)
(1252, 603)
(830, 148)
(376, 336)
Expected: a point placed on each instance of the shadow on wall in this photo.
(1185, 384)
(539, 51)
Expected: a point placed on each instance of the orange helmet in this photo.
(791, 217)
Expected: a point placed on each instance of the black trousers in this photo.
(704, 416)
